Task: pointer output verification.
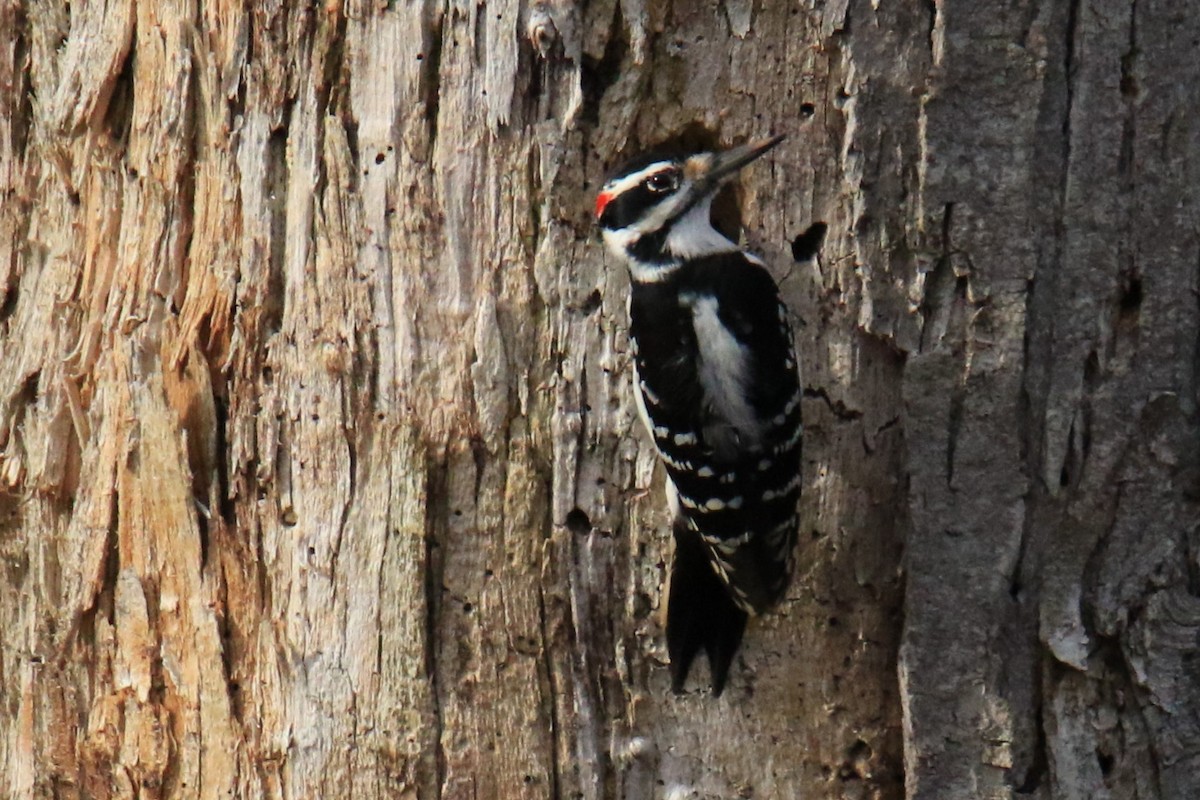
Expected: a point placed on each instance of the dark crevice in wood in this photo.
(932, 7)
(1130, 89)
(228, 509)
(118, 111)
(1037, 771)
(1069, 75)
(598, 75)
(954, 417)
(839, 409)
(1068, 474)
(334, 88)
(225, 650)
(1191, 539)
(1130, 301)
(276, 186)
(1191, 381)
(30, 388)
(431, 75)
(937, 294)
(21, 120)
(436, 507)
(548, 704)
(479, 38)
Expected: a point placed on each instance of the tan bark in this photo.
(319, 469)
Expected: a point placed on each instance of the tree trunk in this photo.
(320, 474)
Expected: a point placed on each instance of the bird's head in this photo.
(655, 210)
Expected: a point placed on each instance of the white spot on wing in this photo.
(771, 494)
(648, 394)
(791, 404)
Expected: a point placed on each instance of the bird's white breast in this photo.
(723, 373)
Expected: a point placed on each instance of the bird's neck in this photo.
(693, 236)
(656, 255)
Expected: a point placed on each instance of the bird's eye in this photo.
(662, 182)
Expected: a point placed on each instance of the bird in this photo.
(717, 385)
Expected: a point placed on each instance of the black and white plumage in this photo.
(718, 388)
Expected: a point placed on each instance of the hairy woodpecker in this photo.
(718, 388)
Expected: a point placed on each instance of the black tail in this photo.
(700, 614)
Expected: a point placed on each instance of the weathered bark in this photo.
(319, 469)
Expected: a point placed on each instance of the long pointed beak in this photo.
(725, 164)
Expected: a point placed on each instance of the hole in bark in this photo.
(597, 75)
(10, 303)
(118, 116)
(857, 765)
(578, 522)
(29, 390)
(1091, 368)
(807, 110)
(591, 302)
(1129, 83)
(1131, 294)
(806, 245)
(1105, 761)
(379, 157)
(726, 213)
(642, 605)
(22, 120)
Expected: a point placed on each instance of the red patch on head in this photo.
(601, 201)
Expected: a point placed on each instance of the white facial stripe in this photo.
(629, 181)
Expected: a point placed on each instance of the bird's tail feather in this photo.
(700, 613)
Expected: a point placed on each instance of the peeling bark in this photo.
(320, 473)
